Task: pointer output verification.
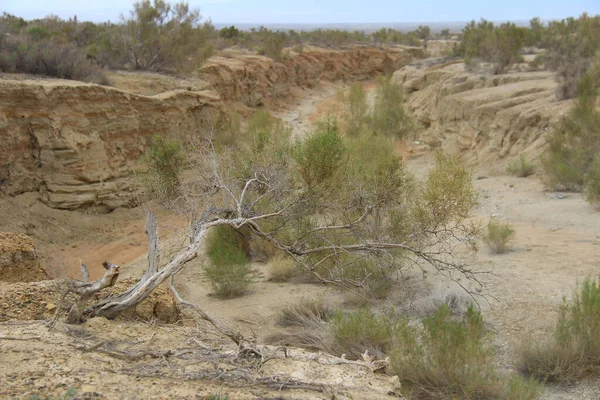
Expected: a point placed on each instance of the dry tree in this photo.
(344, 220)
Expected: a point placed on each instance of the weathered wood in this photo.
(85, 275)
(87, 290)
(153, 245)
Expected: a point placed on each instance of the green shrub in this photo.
(498, 236)
(353, 333)
(320, 155)
(592, 181)
(227, 269)
(164, 161)
(388, 116)
(576, 140)
(357, 109)
(452, 359)
(522, 168)
(574, 351)
(497, 44)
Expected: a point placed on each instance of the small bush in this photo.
(353, 333)
(388, 116)
(575, 142)
(522, 168)
(164, 160)
(498, 236)
(227, 269)
(592, 181)
(321, 154)
(452, 359)
(574, 351)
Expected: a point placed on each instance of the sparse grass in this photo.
(69, 394)
(574, 351)
(498, 236)
(297, 314)
(307, 328)
(452, 359)
(521, 168)
(282, 269)
(227, 269)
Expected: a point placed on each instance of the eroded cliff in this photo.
(77, 144)
(487, 119)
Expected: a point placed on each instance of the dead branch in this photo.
(237, 337)
(20, 338)
(133, 356)
(87, 290)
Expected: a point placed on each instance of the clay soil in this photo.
(557, 244)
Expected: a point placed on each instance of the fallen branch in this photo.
(20, 338)
(135, 356)
(235, 336)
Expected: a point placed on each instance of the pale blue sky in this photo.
(323, 11)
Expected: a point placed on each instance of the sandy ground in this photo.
(557, 244)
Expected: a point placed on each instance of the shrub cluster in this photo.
(521, 168)
(574, 146)
(227, 268)
(498, 236)
(164, 161)
(573, 352)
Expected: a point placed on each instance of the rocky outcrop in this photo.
(487, 119)
(258, 81)
(18, 259)
(77, 144)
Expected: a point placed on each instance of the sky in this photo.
(319, 11)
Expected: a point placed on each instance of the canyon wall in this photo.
(78, 144)
(488, 119)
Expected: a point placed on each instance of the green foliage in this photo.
(452, 359)
(497, 44)
(321, 155)
(498, 236)
(353, 333)
(388, 116)
(576, 141)
(36, 53)
(160, 35)
(357, 109)
(572, 46)
(273, 45)
(227, 269)
(522, 168)
(216, 396)
(592, 180)
(448, 194)
(164, 161)
(574, 351)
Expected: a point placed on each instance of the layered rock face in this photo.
(18, 259)
(78, 144)
(258, 81)
(487, 119)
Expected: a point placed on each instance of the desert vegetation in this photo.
(498, 236)
(573, 352)
(574, 144)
